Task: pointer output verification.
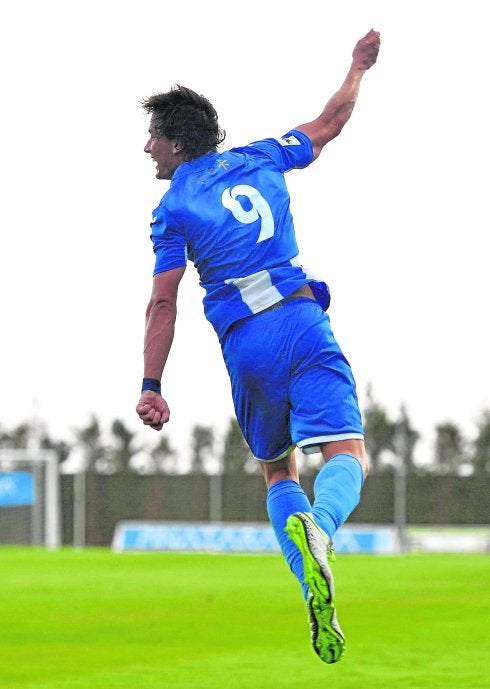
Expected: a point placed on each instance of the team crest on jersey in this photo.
(290, 141)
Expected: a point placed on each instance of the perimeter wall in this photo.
(438, 500)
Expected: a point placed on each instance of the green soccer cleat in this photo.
(316, 548)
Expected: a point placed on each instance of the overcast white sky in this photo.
(394, 215)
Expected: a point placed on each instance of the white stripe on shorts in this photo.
(310, 446)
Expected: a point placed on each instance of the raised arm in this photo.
(339, 108)
(159, 334)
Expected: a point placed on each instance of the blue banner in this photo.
(241, 538)
(199, 538)
(16, 488)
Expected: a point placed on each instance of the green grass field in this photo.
(97, 620)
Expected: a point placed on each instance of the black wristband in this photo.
(152, 384)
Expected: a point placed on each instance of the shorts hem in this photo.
(311, 446)
(281, 456)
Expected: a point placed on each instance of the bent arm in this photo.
(161, 314)
(338, 110)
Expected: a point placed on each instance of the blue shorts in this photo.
(291, 384)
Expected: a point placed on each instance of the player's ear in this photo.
(177, 147)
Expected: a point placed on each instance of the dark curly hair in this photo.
(188, 118)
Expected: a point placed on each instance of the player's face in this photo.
(164, 152)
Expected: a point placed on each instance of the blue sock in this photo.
(337, 491)
(283, 499)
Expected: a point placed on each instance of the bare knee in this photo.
(283, 469)
(351, 446)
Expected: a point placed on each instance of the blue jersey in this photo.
(229, 214)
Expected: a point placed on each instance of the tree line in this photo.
(388, 441)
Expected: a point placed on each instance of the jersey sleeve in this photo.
(291, 151)
(169, 245)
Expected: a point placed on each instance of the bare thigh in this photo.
(352, 446)
(280, 470)
(287, 468)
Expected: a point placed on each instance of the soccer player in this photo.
(229, 214)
